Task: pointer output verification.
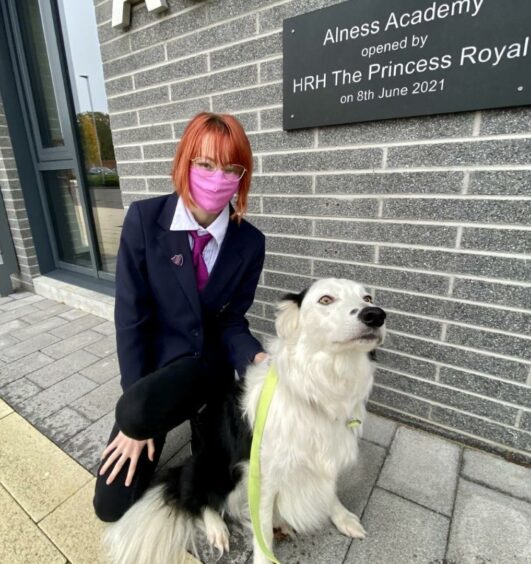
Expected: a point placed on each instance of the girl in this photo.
(186, 273)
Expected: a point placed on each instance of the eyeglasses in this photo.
(230, 171)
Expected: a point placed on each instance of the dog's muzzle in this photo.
(372, 316)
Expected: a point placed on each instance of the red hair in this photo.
(229, 145)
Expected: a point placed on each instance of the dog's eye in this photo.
(326, 300)
(368, 299)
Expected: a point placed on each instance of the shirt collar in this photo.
(183, 219)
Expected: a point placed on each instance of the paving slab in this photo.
(33, 329)
(58, 370)
(102, 370)
(422, 468)
(73, 343)
(86, 447)
(399, 532)
(99, 401)
(20, 349)
(17, 392)
(4, 409)
(15, 370)
(36, 473)
(55, 397)
(489, 527)
(497, 473)
(75, 528)
(62, 425)
(21, 540)
(378, 430)
(104, 347)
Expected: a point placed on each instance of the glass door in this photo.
(73, 148)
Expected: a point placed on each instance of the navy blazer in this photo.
(159, 314)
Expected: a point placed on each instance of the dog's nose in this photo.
(372, 316)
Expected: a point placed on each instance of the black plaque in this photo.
(366, 60)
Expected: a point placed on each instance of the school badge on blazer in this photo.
(177, 259)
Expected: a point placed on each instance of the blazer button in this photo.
(196, 354)
(195, 333)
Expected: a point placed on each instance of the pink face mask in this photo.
(211, 191)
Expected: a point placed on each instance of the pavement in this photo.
(421, 498)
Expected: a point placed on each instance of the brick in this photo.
(525, 421)
(284, 184)
(512, 321)
(397, 400)
(250, 50)
(497, 473)
(60, 369)
(501, 536)
(134, 62)
(171, 112)
(507, 436)
(289, 282)
(504, 241)
(262, 325)
(141, 134)
(387, 232)
(25, 348)
(169, 27)
(102, 370)
(287, 264)
(460, 358)
(234, 8)
(70, 344)
(390, 183)
(52, 399)
(215, 82)
(447, 396)
(124, 119)
(339, 207)
(117, 48)
(509, 345)
(413, 366)
(211, 37)
(131, 153)
(172, 71)
(271, 70)
(99, 401)
(323, 249)
(62, 425)
(492, 292)
(271, 118)
(247, 98)
(454, 262)
(277, 225)
(422, 468)
(377, 275)
(145, 168)
(281, 140)
(487, 182)
(478, 153)
(273, 18)
(119, 85)
(141, 99)
(413, 325)
(489, 387)
(506, 121)
(323, 160)
(400, 531)
(393, 130)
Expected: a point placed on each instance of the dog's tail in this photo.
(154, 530)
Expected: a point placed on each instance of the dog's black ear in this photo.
(297, 298)
(372, 355)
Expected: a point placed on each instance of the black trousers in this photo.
(151, 407)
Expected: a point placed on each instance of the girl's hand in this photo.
(124, 448)
(260, 357)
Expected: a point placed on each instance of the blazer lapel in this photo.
(176, 243)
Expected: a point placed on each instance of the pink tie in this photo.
(201, 271)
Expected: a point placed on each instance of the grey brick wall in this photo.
(431, 213)
(16, 210)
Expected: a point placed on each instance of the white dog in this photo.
(321, 355)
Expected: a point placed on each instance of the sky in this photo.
(82, 38)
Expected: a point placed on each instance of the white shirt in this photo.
(183, 219)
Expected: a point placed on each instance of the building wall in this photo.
(11, 193)
(430, 213)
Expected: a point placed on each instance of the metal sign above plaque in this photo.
(366, 60)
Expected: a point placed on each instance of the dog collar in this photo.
(353, 423)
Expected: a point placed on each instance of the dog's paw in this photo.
(349, 524)
(282, 532)
(216, 531)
